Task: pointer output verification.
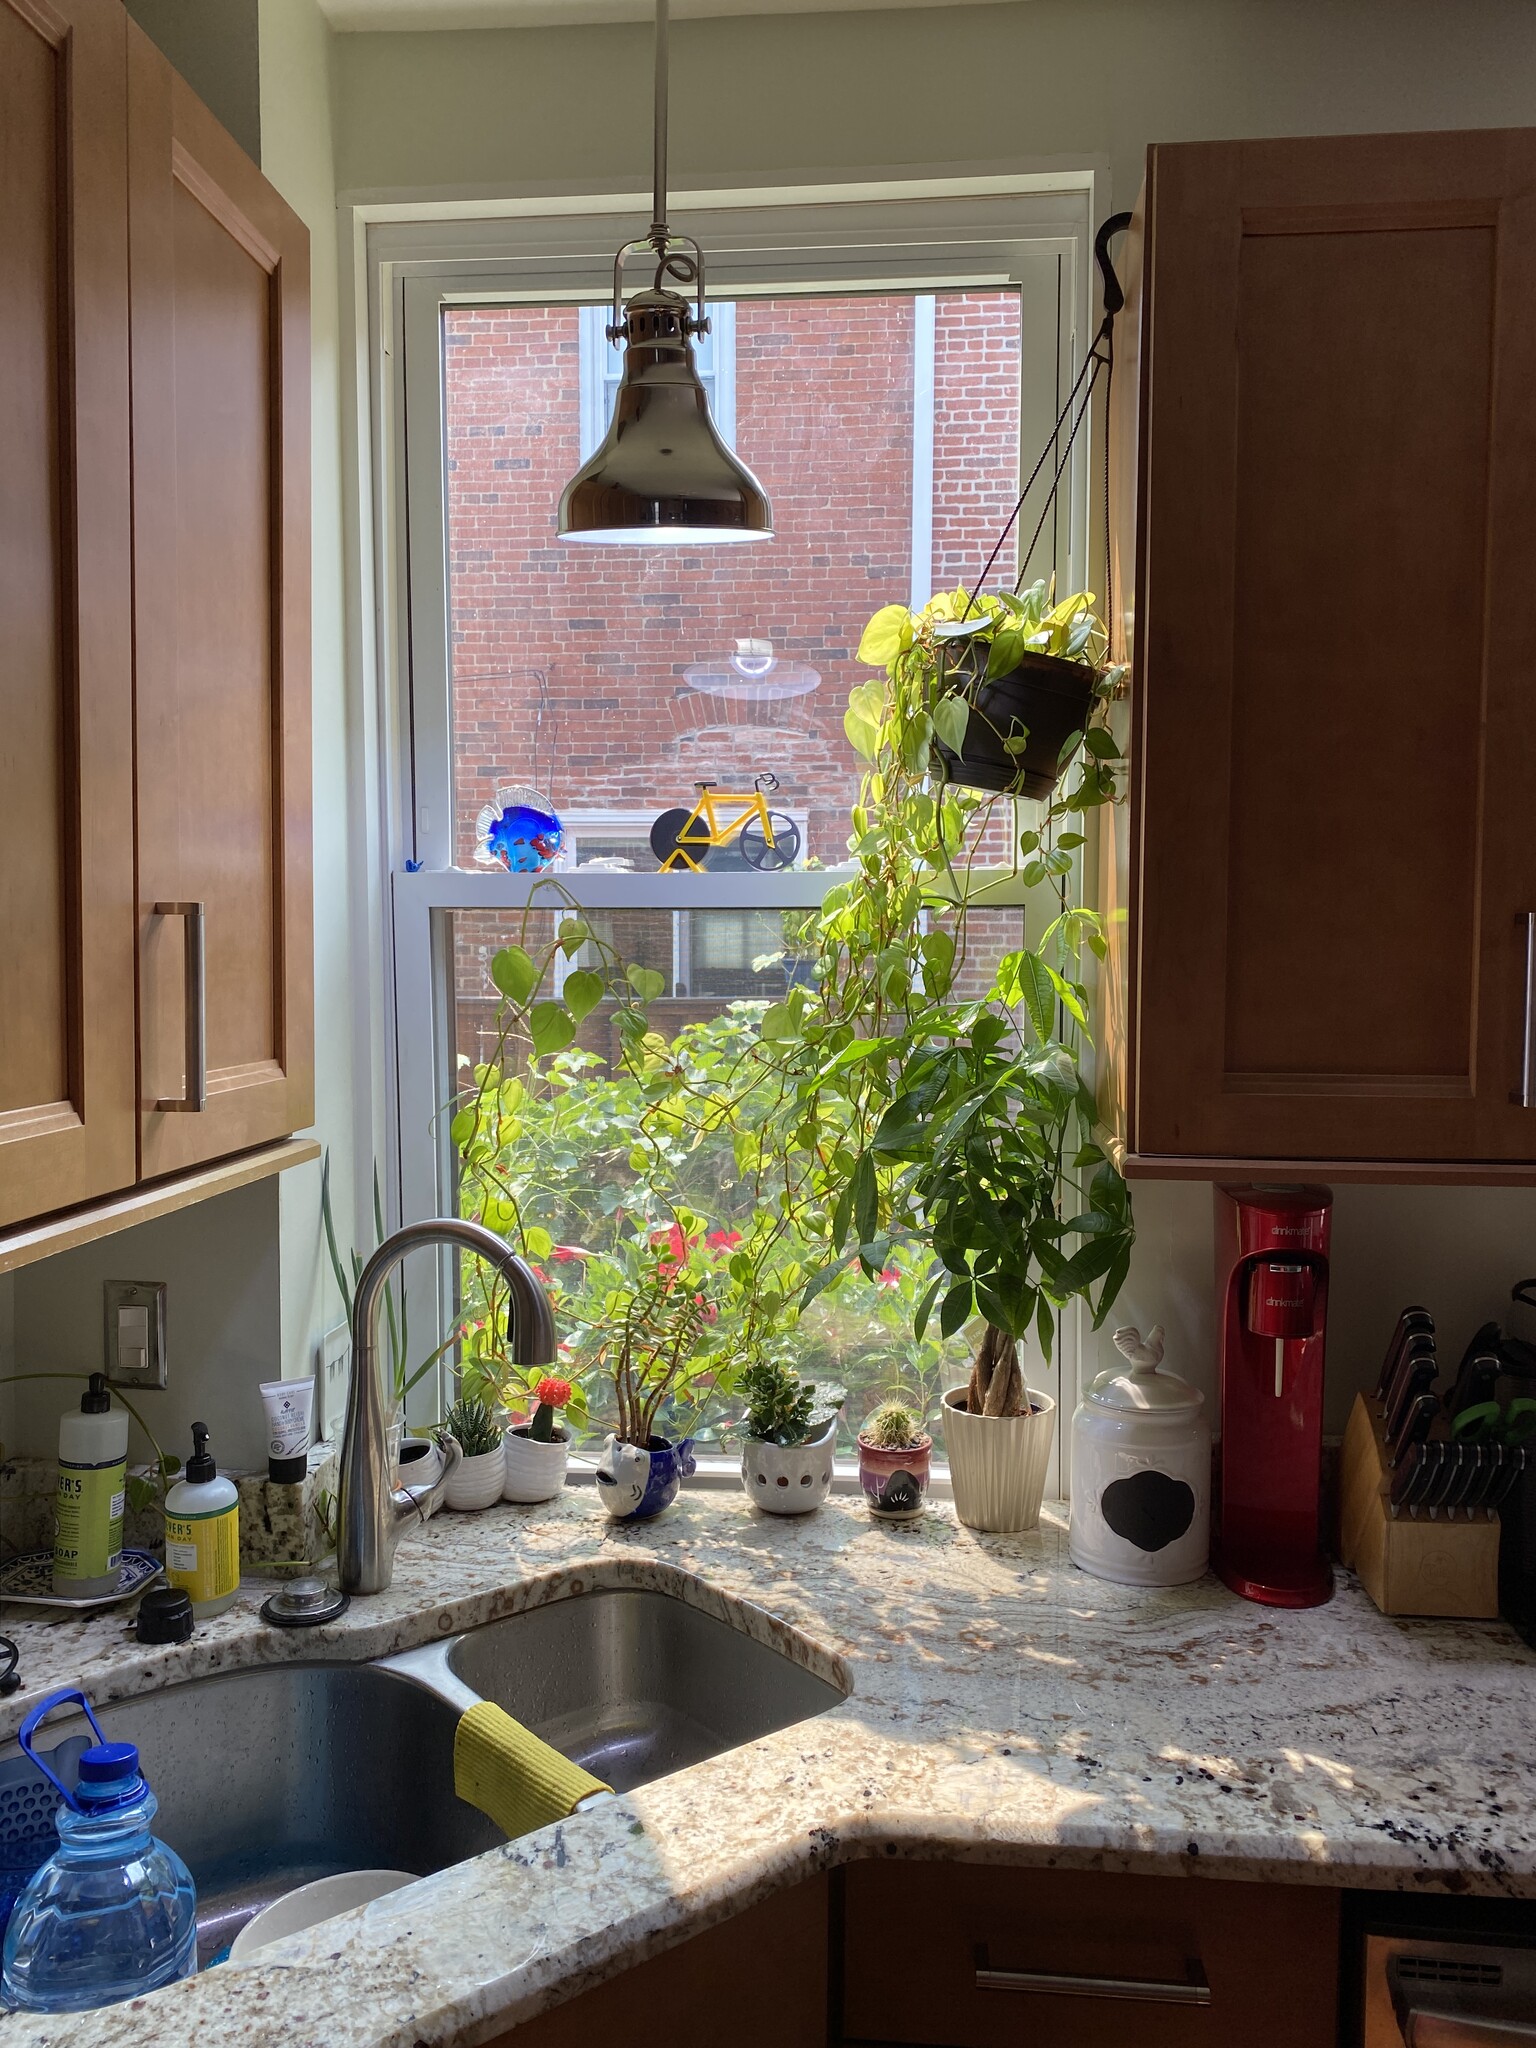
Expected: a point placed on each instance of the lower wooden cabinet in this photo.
(758, 1981)
(968, 1956)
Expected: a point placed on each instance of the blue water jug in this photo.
(113, 1912)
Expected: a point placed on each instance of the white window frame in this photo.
(890, 236)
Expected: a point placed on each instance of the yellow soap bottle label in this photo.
(89, 1520)
(202, 1553)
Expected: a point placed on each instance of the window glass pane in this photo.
(891, 459)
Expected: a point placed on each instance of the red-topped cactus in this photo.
(551, 1396)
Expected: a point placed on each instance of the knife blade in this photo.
(1419, 1348)
(1416, 1425)
(1412, 1321)
(1416, 1378)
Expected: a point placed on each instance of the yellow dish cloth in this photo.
(506, 1771)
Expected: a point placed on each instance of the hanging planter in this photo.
(1017, 723)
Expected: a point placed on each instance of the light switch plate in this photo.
(135, 1333)
(333, 1369)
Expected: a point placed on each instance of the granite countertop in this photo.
(1004, 1706)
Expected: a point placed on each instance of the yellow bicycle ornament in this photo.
(767, 840)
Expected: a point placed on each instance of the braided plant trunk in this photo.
(997, 1385)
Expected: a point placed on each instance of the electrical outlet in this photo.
(135, 1332)
(333, 1369)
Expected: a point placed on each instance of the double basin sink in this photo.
(271, 1777)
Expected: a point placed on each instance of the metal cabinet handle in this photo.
(196, 998)
(1145, 1990)
(1525, 1094)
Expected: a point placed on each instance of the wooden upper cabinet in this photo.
(67, 1094)
(220, 349)
(1325, 439)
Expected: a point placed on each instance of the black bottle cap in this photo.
(165, 1616)
(288, 1471)
(96, 1400)
(200, 1467)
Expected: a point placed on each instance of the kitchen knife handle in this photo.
(1525, 1094)
(195, 997)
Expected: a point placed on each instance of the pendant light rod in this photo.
(659, 131)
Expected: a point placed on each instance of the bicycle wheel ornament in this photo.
(666, 833)
(783, 853)
(519, 831)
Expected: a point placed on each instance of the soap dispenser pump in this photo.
(202, 1532)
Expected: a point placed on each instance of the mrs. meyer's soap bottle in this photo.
(93, 1477)
(202, 1532)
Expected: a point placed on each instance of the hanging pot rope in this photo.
(1099, 359)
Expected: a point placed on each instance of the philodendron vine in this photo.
(903, 1093)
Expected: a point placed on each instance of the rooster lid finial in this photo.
(1145, 1354)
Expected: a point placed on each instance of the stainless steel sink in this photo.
(269, 1778)
(629, 1683)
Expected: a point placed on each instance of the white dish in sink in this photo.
(309, 1904)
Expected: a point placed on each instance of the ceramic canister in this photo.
(1141, 1472)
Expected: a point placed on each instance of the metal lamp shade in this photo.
(662, 476)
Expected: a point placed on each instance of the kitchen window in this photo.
(885, 359)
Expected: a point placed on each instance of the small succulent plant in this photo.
(551, 1396)
(780, 1405)
(474, 1426)
(893, 1427)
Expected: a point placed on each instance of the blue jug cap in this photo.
(109, 1763)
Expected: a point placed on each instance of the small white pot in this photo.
(534, 1471)
(997, 1463)
(419, 1471)
(789, 1479)
(476, 1482)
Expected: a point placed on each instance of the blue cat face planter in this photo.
(634, 1485)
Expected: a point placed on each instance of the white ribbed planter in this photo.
(535, 1471)
(476, 1482)
(997, 1463)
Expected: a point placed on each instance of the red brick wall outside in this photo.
(567, 661)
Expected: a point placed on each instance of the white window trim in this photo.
(412, 262)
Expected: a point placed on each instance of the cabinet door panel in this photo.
(960, 1956)
(220, 341)
(67, 1124)
(1333, 641)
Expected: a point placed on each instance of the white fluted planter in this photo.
(535, 1468)
(997, 1463)
(476, 1482)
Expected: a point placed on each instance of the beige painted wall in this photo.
(213, 44)
(759, 97)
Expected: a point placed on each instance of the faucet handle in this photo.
(425, 1500)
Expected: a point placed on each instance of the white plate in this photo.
(312, 1903)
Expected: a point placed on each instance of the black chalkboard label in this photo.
(1149, 1509)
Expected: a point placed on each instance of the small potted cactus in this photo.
(786, 1456)
(478, 1477)
(538, 1451)
(894, 1454)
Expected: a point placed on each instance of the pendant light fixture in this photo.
(662, 474)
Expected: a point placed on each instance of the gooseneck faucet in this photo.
(372, 1511)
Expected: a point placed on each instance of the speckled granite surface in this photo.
(1004, 1706)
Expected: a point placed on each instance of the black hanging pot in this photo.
(1044, 700)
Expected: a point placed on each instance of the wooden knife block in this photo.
(1408, 1563)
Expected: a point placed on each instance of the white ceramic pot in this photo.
(534, 1471)
(789, 1479)
(997, 1463)
(476, 1482)
(421, 1469)
(1141, 1472)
